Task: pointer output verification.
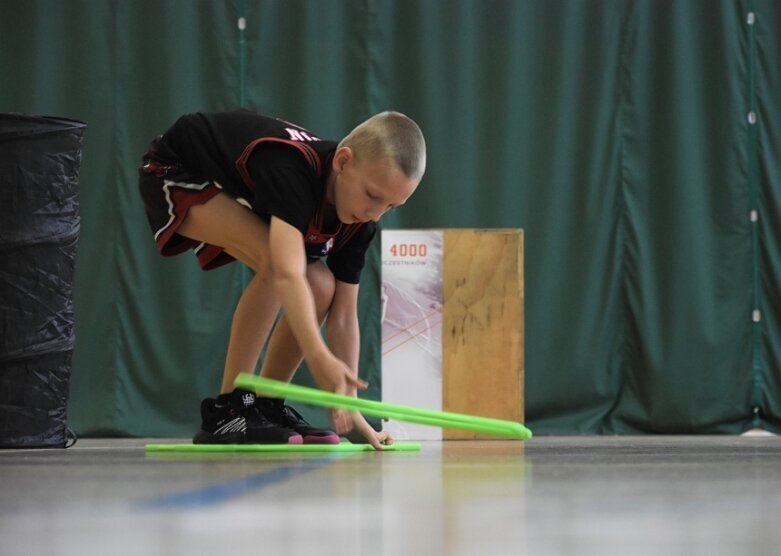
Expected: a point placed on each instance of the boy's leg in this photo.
(252, 322)
(224, 222)
(284, 356)
(232, 416)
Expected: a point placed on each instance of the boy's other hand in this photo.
(334, 375)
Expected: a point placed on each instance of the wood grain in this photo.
(483, 325)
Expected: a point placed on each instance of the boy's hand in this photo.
(333, 375)
(376, 439)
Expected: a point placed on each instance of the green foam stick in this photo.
(290, 448)
(497, 427)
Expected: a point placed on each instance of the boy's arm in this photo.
(288, 266)
(344, 338)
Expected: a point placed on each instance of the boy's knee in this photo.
(262, 268)
(322, 283)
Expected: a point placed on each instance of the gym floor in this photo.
(709, 495)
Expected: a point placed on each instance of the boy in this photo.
(239, 185)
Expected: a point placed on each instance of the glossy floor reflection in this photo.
(555, 495)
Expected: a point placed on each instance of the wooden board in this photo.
(482, 326)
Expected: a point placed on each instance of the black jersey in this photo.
(275, 167)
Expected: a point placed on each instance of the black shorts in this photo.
(168, 192)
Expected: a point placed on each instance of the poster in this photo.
(411, 316)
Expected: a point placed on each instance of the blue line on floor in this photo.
(220, 493)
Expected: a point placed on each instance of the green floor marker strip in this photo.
(290, 448)
(496, 427)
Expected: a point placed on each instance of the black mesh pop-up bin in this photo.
(40, 159)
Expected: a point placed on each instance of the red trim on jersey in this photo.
(319, 215)
(209, 256)
(182, 200)
(351, 231)
(309, 153)
(314, 233)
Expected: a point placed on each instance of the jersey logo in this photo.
(300, 135)
(319, 245)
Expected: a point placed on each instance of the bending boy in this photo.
(239, 185)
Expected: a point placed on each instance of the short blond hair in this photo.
(391, 135)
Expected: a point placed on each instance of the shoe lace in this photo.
(252, 413)
(291, 415)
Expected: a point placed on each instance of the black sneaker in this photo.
(281, 414)
(233, 419)
(221, 423)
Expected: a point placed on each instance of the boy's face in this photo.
(363, 191)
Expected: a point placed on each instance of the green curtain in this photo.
(616, 133)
